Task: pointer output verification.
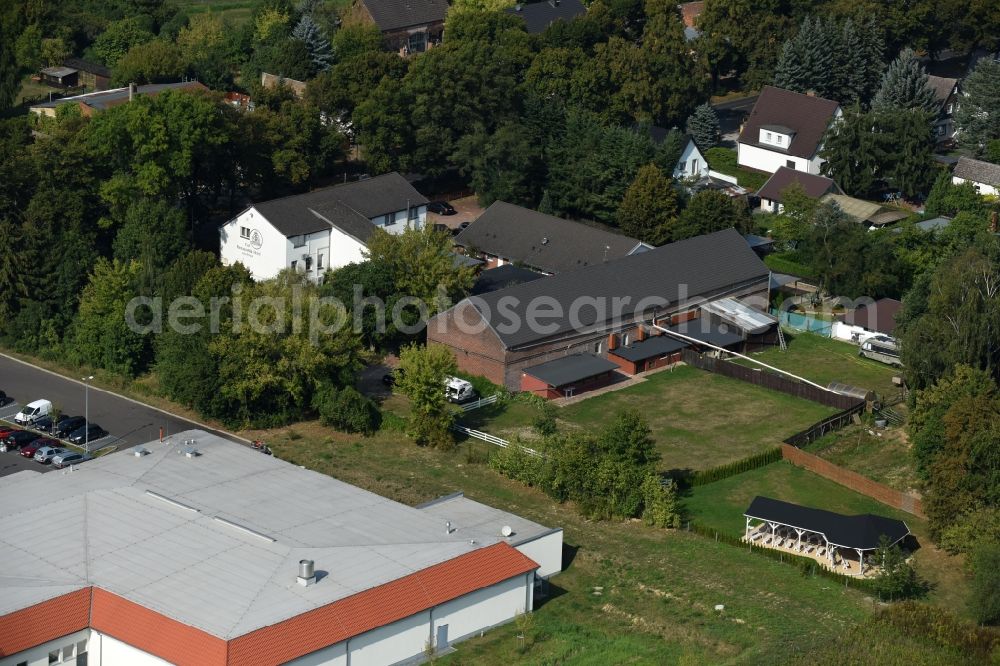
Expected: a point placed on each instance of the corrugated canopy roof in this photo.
(747, 318)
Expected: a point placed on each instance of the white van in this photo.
(33, 412)
(458, 390)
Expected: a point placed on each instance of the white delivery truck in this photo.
(459, 390)
(32, 412)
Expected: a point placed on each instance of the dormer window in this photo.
(779, 137)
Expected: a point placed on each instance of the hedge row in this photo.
(806, 565)
(714, 474)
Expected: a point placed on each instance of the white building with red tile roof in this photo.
(197, 550)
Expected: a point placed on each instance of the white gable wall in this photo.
(982, 188)
(265, 253)
(692, 163)
(399, 226)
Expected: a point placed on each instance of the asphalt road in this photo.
(128, 422)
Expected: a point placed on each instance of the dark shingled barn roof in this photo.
(880, 316)
(397, 14)
(349, 207)
(814, 186)
(863, 532)
(805, 115)
(540, 15)
(548, 243)
(502, 277)
(978, 171)
(695, 268)
(653, 346)
(569, 369)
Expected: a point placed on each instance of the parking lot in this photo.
(127, 422)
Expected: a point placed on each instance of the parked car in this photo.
(33, 411)
(87, 433)
(45, 454)
(5, 399)
(463, 226)
(459, 390)
(6, 432)
(69, 458)
(16, 440)
(67, 424)
(29, 450)
(44, 424)
(441, 208)
(390, 378)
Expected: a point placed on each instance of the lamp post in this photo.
(86, 412)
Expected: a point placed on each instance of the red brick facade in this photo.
(479, 351)
(530, 384)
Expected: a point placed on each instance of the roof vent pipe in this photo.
(447, 527)
(307, 573)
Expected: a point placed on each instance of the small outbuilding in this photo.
(568, 376)
(60, 77)
(646, 352)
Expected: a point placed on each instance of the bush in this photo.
(940, 626)
(516, 463)
(545, 423)
(660, 505)
(788, 262)
(392, 422)
(985, 565)
(897, 580)
(347, 410)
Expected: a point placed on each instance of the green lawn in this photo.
(723, 160)
(236, 11)
(720, 505)
(701, 420)
(630, 594)
(823, 360)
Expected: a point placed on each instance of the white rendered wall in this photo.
(343, 250)
(770, 160)
(39, 656)
(108, 651)
(482, 609)
(334, 655)
(683, 168)
(400, 225)
(982, 188)
(546, 551)
(392, 643)
(264, 262)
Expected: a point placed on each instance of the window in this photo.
(67, 652)
(309, 262)
(694, 167)
(54, 657)
(767, 137)
(22, 663)
(244, 232)
(414, 213)
(790, 164)
(778, 139)
(599, 347)
(390, 219)
(417, 42)
(625, 340)
(319, 261)
(298, 241)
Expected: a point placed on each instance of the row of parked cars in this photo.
(41, 442)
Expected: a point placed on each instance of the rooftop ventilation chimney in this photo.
(447, 527)
(191, 452)
(307, 573)
(140, 452)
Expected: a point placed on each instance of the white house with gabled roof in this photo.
(323, 229)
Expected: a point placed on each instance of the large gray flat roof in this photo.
(211, 541)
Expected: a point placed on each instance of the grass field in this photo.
(630, 594)
(824, 360)
(236, 11)
(884, 457)
(720, 505)
(698, 419)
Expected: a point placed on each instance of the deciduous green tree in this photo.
(985, 565)
(711, 210)
(424, 372)
(120, 36)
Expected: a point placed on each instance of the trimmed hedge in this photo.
(714, 474)
(787, 262)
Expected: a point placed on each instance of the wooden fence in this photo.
(827, 425)
(856, 482)
(770, 380)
